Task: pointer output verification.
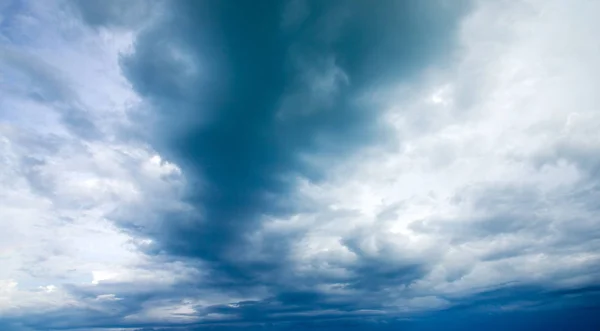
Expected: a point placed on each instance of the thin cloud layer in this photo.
(299, 164)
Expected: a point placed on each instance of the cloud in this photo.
(255, 122)
(67, 170)
(193, 165)
(464, 197)
(116, 14)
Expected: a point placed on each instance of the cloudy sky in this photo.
(299, 165)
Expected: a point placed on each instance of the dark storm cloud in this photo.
(240, 101)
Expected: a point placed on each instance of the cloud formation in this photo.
(304, 164)
(277, 99)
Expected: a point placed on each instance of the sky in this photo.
(192, 165)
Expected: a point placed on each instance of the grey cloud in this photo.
(45, 82)
(34, 79)
(80, 123)
(131, 13)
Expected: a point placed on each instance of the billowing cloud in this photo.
(304, 164)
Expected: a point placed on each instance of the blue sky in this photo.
(299, 165)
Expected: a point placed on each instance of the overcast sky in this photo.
(299, 165)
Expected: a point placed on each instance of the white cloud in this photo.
(60, 187)
(183, 311)
(493, 177)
